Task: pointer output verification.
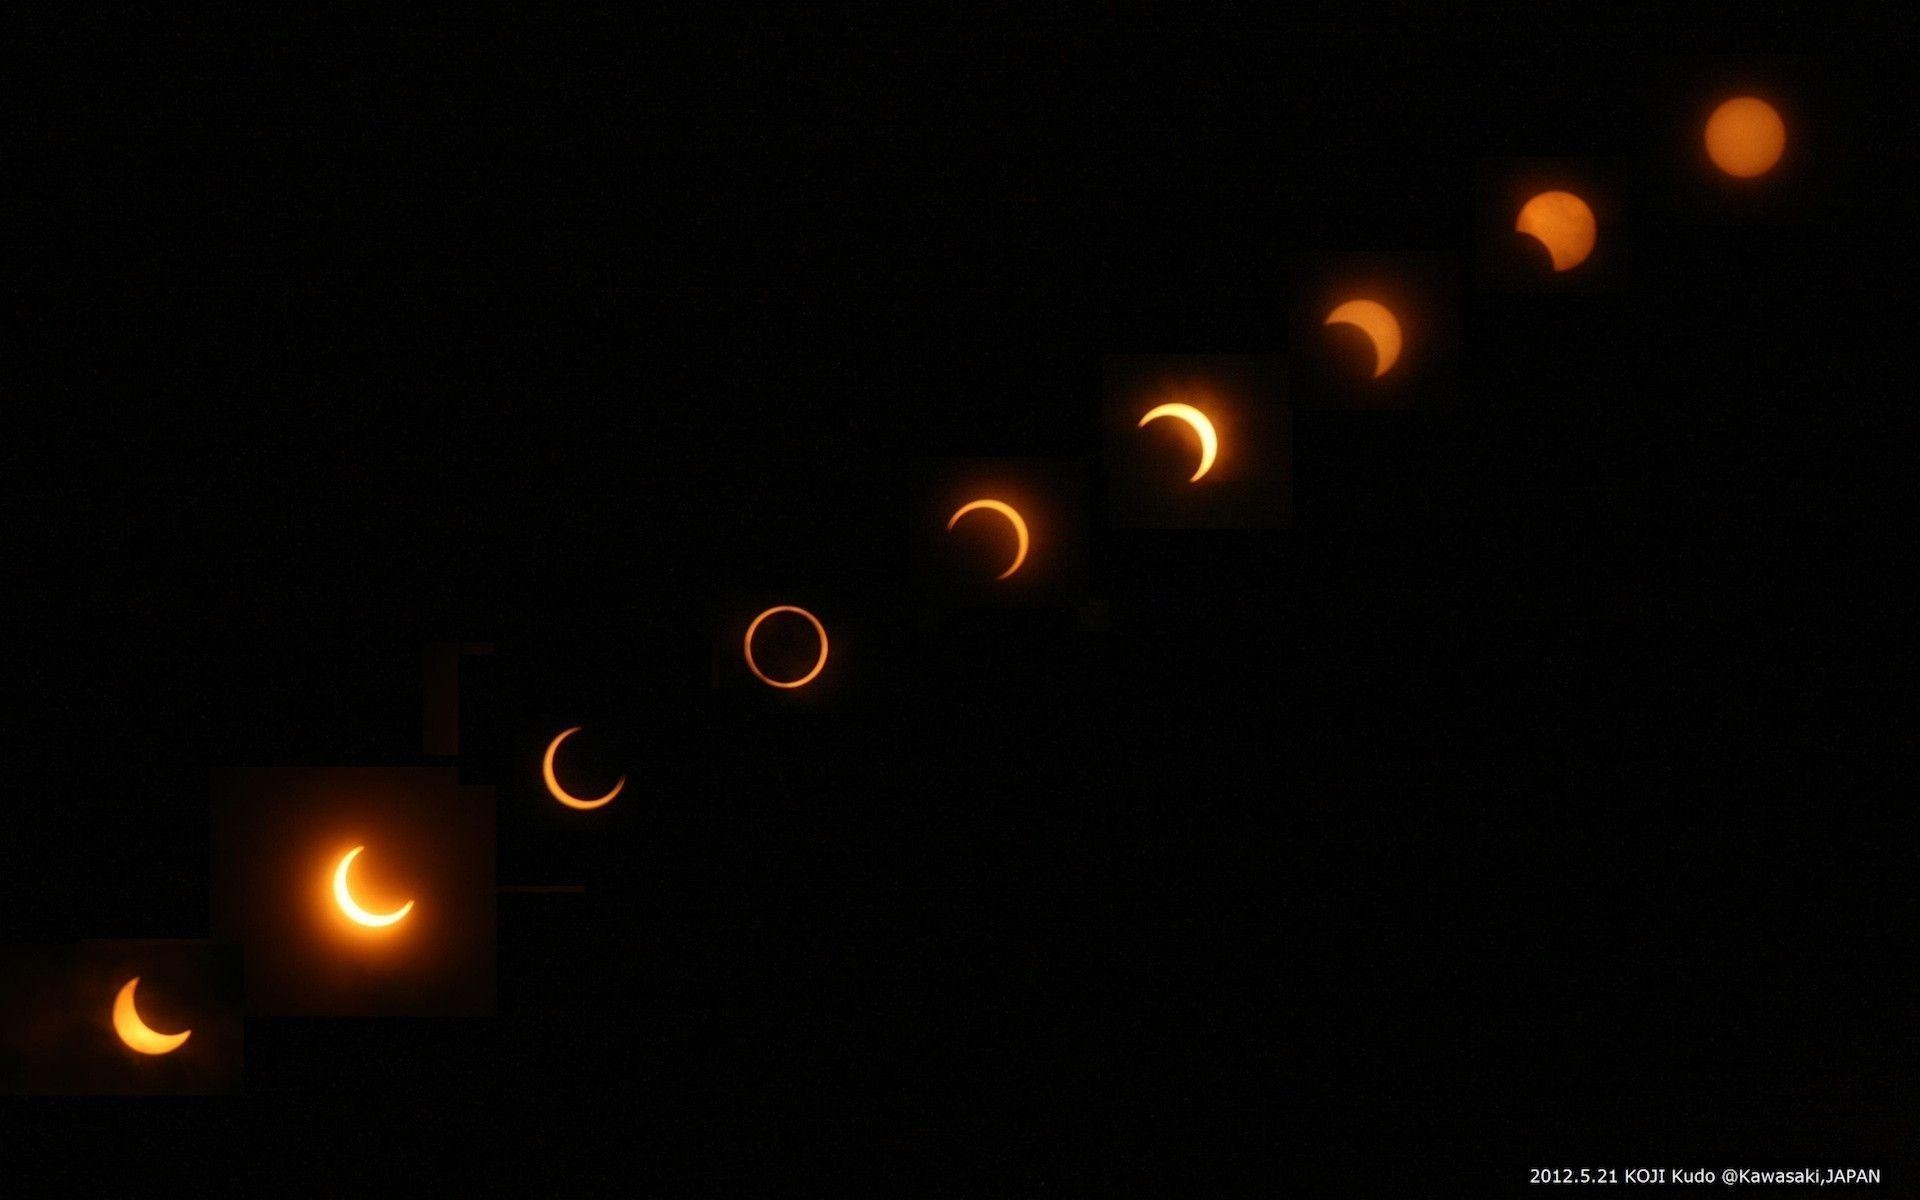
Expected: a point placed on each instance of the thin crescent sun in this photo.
(1377, 321)
(344, 898)
(1562, 222)
(1006, 510)
(134, 1032)
(819, 663)
(553, 783)
(1209, 443)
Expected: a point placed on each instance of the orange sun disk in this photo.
(1745, 137)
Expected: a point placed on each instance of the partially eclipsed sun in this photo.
(553, 783)
(1563, 223)
(1377, 321)
(1006, 510)
(344, 897)
(134, 1032)
(1202, 428)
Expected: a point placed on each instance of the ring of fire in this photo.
(818, 665)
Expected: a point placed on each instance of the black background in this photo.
(1523, 804)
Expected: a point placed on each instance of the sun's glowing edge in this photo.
(1006, 510)
(344, 898)
(553, 782)
(819, 664)
(1202, 427)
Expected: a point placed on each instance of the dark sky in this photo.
(1520, 797)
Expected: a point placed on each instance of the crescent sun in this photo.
(134, 1032)
(819, 663)
(344, 898)
(553, 783)
(1006, 510)
(1209, 443)
(1377, 321)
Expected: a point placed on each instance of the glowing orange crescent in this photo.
(561, 794)
(344, 898)
(819, 663)
(1377, 321)
(1007, 511)
(1563, 224)
(1209, 444)
(134, 1032)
